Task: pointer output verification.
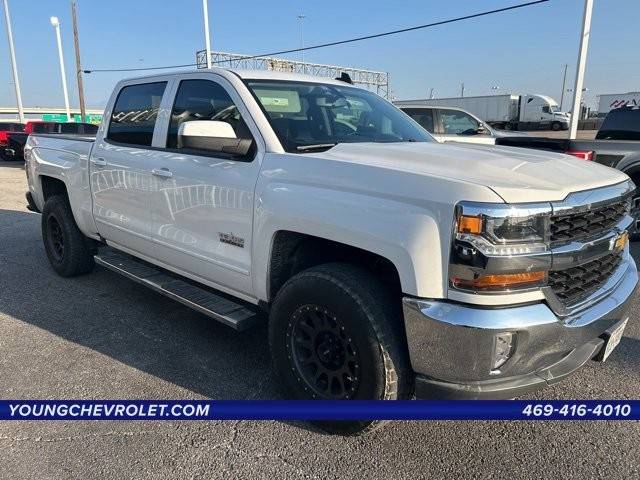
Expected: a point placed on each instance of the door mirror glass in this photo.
(213, 136)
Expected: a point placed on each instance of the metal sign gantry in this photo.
(370, 79)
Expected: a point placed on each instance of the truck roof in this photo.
(248, 75)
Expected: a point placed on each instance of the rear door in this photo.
(121, 164)
(203, 206)
(424, 116)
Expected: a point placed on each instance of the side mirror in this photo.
(212, 136)
(481, 130)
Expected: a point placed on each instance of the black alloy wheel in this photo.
(55, 238)
(323, 353)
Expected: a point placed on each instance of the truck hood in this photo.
(515, 174)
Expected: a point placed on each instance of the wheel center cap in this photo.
(329, 350)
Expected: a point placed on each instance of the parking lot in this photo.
(101, 336)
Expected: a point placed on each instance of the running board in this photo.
(202, 299)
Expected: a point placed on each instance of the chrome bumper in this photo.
(451, 344)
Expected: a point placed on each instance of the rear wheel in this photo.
(336, 334)
(69, 251)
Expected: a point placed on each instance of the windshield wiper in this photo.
(317, 146)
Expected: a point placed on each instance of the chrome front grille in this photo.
(568, 226)
(577, 283)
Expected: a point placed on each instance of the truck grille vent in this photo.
(577, 283)
(566, 227)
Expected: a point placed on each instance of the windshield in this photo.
(554, 108)
(314, 116)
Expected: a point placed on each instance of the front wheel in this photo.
(556, 126)
(69, 251)
(335, 333)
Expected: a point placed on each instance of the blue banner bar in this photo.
(319, 410)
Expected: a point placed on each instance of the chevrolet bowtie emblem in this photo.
(620, 242)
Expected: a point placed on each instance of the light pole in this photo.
(76, 44)
(582, 61)
(564, 81)
(301, 17)
(207, 39)
(56, 24)
(14, 66)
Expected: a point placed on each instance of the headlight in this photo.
(500, 247)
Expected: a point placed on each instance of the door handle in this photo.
(162, 172)
(99, 162)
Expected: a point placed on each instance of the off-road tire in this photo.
(372, 317)
(69, 251)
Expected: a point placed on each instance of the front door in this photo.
(120, 165)
(459, 126)
(203, 205)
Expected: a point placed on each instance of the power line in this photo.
(341, 42)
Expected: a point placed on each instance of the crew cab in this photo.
(451, 124)
(386, 264)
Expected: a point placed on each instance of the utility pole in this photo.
(207, 39)
(564, 81)
(14, 65)
(580, 68)
(76, 44)
(301, 17)
(462, 90)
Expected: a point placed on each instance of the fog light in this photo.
(503, 345)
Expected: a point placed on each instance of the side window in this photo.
(546, 109)
(203, 100)
(135, 112)
(455, 122)
(424, 116)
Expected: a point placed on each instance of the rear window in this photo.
(11, 127)
(135, 113)
(621, 124)
(45, 128)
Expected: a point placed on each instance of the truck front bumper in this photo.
(451, 345)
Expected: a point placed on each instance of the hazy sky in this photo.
(520, 51)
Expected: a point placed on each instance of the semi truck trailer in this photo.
(508, 112)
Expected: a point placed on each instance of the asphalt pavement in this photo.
(102, 336)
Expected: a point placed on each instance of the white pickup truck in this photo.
(387, 265)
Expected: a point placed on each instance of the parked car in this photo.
(617, 145)
(508, 112)
(5, 128)
(385, 263)
(448, 124)
(16, 140)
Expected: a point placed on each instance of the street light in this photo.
(301, 18)
(56, 24)
(207, 37)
